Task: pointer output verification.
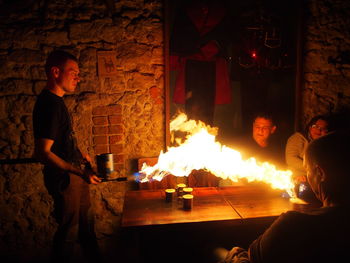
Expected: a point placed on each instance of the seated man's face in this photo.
(262, 129)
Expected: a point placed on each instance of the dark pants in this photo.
(73, 213)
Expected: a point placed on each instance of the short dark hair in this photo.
(265, 115)
(332, 153)
(58, 58)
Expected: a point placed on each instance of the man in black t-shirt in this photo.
(65, 178)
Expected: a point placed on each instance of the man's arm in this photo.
(44, 154)
(294, 156)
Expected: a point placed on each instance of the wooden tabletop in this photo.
(256, 201)
(148, 207)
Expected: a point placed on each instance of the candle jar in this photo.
(187, 202)
(180, 188)
(169, 195)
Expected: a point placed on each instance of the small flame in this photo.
(199, 150)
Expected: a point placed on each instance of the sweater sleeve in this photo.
(294, 153)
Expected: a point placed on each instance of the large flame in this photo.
(199, 150)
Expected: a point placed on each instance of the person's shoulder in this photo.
(292, 215)
(292, 218)
(245, 139)
(297, 216)
(48, 98)
(242, 142)
(297, 136)
(45, 93)
(48, 104)
(286, 227)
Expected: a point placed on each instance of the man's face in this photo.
(68, 76)
(318, 129)
(262, 129)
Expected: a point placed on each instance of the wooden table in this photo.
(148, 207)
(223, 216)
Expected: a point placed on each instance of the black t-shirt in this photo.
(320, 236)
(273, 153)
(51, 120)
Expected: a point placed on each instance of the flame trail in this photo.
(199, 150)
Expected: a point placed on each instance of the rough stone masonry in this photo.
(125, 113)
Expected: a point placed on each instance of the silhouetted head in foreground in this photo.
(327, 164)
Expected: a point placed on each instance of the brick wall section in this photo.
(107, 132)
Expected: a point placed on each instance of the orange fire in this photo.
(200, 150)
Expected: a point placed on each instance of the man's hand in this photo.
(94, 179)
(237, 255)
(90, 176)
(300, 179)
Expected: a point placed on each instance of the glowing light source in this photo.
(253, 54)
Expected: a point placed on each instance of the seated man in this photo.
(318, 236)
(262, 144)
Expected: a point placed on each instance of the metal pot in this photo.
(104, 165)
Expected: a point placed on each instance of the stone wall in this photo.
(123, 114)
(326, 87)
